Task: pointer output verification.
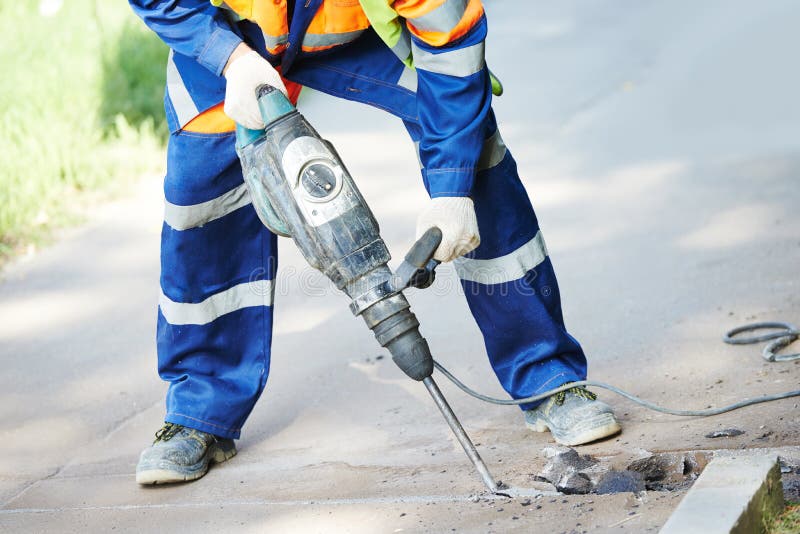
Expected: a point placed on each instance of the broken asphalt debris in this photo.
(726, 433)
(669, 471)
(575, 484)
(575, 474)
(620, 482)
(564, 471)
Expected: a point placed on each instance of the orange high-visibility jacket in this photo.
(442, 39)
(336, 22)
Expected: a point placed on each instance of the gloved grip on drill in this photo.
(263, 90)
(272, 103)
(422, 251)
(417, 269)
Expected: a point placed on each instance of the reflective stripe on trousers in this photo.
(217, 270)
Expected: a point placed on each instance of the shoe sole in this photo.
(215, 454)
(596, 428)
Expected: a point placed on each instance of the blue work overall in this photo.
(215, 316)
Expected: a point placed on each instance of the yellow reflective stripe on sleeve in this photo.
(439, 23)
(443, 18)
(182, 102)
(186, 217)
(508, 268)
(246, 295)
(460, 62)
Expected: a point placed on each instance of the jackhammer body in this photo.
(301, 189)
(316, 202)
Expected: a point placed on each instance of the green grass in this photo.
(788, 522)
(80, 111)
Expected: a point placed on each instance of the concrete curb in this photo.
(732, 495)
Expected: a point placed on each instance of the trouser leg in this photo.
(218, 264)
(510, 284)
(509, 281)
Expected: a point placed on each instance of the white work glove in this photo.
(455, 217)
(244, 74)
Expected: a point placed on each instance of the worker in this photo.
(420, 60)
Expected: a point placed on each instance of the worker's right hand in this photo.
(245, 72)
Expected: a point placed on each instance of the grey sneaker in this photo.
(574, 417)
(179, 454)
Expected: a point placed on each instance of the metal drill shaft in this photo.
(462, 436)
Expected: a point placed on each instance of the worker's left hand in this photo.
(455, 217)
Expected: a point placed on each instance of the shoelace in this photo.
(581, 392)
(166, 432)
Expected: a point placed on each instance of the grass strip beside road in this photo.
(788, 522)
(80, 111)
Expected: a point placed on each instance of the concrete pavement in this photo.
(660, 144)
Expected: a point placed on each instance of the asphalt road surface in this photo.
(660, 144)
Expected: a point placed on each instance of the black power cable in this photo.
(786, 334)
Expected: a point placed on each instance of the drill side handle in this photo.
(422, 251)
(418, 267)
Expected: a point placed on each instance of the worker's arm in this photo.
(197, 29)
(454, 100)
(193, 28)
(453, 89)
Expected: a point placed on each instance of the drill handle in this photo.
(418, 267)
(273, 105)
(422, 251)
